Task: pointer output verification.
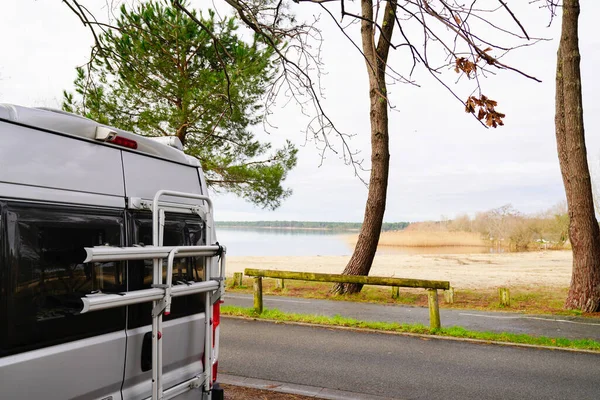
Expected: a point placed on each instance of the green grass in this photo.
(455, 331)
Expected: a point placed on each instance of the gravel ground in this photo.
(243, 393)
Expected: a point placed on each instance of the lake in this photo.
(282, 242)
(300, 242)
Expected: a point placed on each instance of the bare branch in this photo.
(515, 18)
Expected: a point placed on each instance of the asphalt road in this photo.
(537, 325)
(403, 367)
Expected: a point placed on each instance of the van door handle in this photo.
(147, 352)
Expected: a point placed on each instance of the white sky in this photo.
(443, 162)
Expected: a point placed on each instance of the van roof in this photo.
(75, 125)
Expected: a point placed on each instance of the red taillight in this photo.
(215, 330)
(216, 319)
(214, 372)
(216, 314)
(121, 141)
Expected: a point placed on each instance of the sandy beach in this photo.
(464, 271)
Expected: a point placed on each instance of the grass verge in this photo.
(455, 331)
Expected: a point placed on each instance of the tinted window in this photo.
(43, 277)
(180, 230)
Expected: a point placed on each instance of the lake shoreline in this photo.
(289, 228)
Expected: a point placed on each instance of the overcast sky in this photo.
(443, 163)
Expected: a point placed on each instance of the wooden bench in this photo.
(431, 286)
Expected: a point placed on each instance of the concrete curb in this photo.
(417, 335)
(291, 388)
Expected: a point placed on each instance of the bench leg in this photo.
(237, 280)
(449, 295)
(504, 296)
(434, 309)
(258, 298)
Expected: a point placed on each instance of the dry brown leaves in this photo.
(485, 110)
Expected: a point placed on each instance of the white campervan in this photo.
(110, 274)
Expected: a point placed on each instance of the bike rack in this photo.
(161, 294)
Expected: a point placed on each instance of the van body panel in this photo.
(36, 158)
(37, 193)
(144, 176)
(84, 369)
(46, 119)
(81, 127)
(200, 173)
(183, 346)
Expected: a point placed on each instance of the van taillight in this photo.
(121, 141)
(217, 314)
(214, 372)
(215, 330)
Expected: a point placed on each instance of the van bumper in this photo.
(217, 392)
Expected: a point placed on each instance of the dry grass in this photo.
(414, 238)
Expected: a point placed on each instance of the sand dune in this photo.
(466, 271)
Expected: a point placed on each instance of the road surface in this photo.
(401, 367)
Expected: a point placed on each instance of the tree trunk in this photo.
(584, 233)
(376, 60)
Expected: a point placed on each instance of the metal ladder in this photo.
(160, 294)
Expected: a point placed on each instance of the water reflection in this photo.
(299, 242)
(282, 242)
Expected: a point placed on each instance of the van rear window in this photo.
(180, 230)
(43, 277)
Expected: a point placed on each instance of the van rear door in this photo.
(183, 329)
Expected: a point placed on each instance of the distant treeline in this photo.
(338, 226)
